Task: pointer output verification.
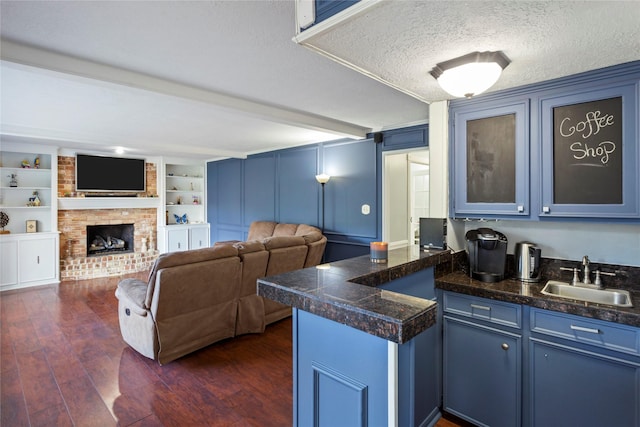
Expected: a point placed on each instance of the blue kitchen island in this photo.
(364, 349)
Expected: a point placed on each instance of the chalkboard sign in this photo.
(491, 159)
(587, 152)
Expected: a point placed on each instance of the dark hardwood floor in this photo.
(63, 363)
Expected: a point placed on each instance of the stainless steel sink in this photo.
(615, 297)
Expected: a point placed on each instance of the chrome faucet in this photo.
(586, 271)
(586, 275)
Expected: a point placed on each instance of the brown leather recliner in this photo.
(195, 298)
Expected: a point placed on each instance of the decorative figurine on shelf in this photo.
(196, 200)
(179, 200)
(36, 162)
(180, 219)
(34, 200)
(26, 164)
(14, 180)
(4, 220)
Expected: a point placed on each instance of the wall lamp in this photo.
(323, 178)
(470, 74)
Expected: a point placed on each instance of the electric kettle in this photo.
(527, 257)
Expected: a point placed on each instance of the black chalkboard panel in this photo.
(587, 152)
(491, 159)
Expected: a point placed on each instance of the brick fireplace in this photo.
(75, 264)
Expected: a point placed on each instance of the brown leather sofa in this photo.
(198, 297)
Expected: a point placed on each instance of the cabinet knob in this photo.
(505, 346)
(546, 209)
(520, 208)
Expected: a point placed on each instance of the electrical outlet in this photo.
(366, 209)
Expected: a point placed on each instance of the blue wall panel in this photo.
(259, 189)
(229, 203)
(225, 200)
(298, 190)
(352, 166)
(405, 138)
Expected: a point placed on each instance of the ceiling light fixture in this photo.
(470, 74)
(119, 150)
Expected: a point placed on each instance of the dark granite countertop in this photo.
(346, 292)
(515, 291)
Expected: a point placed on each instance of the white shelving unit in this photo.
(29, 257)
(14, 201)
(183, 194)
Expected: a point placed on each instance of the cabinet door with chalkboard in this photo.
(590, 156)
(491, 160)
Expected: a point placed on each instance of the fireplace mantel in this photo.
(73, 203)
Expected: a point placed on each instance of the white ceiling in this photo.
(211, 79)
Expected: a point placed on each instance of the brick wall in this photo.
(72, 224)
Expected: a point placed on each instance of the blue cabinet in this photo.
(590, 156)
(482, 360)
(507, 364)
(490, 156)
(583, 372)
(325, 9)
(567, 148)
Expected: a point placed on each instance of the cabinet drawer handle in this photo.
(505, 346)
(38, 257)
(480, 307)
(582, 329)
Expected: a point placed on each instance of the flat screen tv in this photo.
(110, 174)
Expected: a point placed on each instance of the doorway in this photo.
(405, 195)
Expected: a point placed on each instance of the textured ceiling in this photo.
(210, 79)
(401, 41)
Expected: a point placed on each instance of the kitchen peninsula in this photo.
(365, 352)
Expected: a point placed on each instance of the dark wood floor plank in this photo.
(23, 335)
(38, 383)
(64, 364)
(13, 409)
(57, 416)
(84, 404)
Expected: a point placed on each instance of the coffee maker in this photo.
(487, 250)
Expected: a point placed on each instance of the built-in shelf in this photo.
(74, 203)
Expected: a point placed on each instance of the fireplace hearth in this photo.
(109, 239)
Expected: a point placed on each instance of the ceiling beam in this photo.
(32, 56)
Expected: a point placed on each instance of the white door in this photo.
(37, 259)
(199, 237)
(177, 239)
(8, 263)
(398, 195)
